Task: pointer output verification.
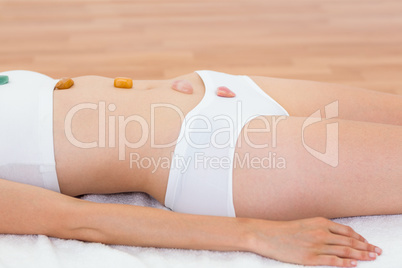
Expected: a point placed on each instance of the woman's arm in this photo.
(26, 209)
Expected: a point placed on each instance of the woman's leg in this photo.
(303, 98)
(361, 174)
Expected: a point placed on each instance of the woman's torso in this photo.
(90, 160)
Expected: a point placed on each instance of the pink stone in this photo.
(183, 86)
(225, 92)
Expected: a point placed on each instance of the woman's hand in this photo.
(315, 241)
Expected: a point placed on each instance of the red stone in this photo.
(225, 92)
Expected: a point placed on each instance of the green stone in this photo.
(3, 79)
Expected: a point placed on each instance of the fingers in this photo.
(353, 243)
(335, 261)
(341, 229)
(344, 247)
(348, 253)
(348, 237)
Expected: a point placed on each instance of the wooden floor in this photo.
(353, 42)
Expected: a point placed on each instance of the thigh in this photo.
(332, 168)
(303, 98)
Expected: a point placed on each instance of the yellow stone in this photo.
(64, 83)
(122, 82)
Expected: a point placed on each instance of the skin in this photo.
(268, 224)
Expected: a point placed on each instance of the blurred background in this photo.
(352, 42)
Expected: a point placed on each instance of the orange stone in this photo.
(64, 83)
(123, 82)
(225, 92)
